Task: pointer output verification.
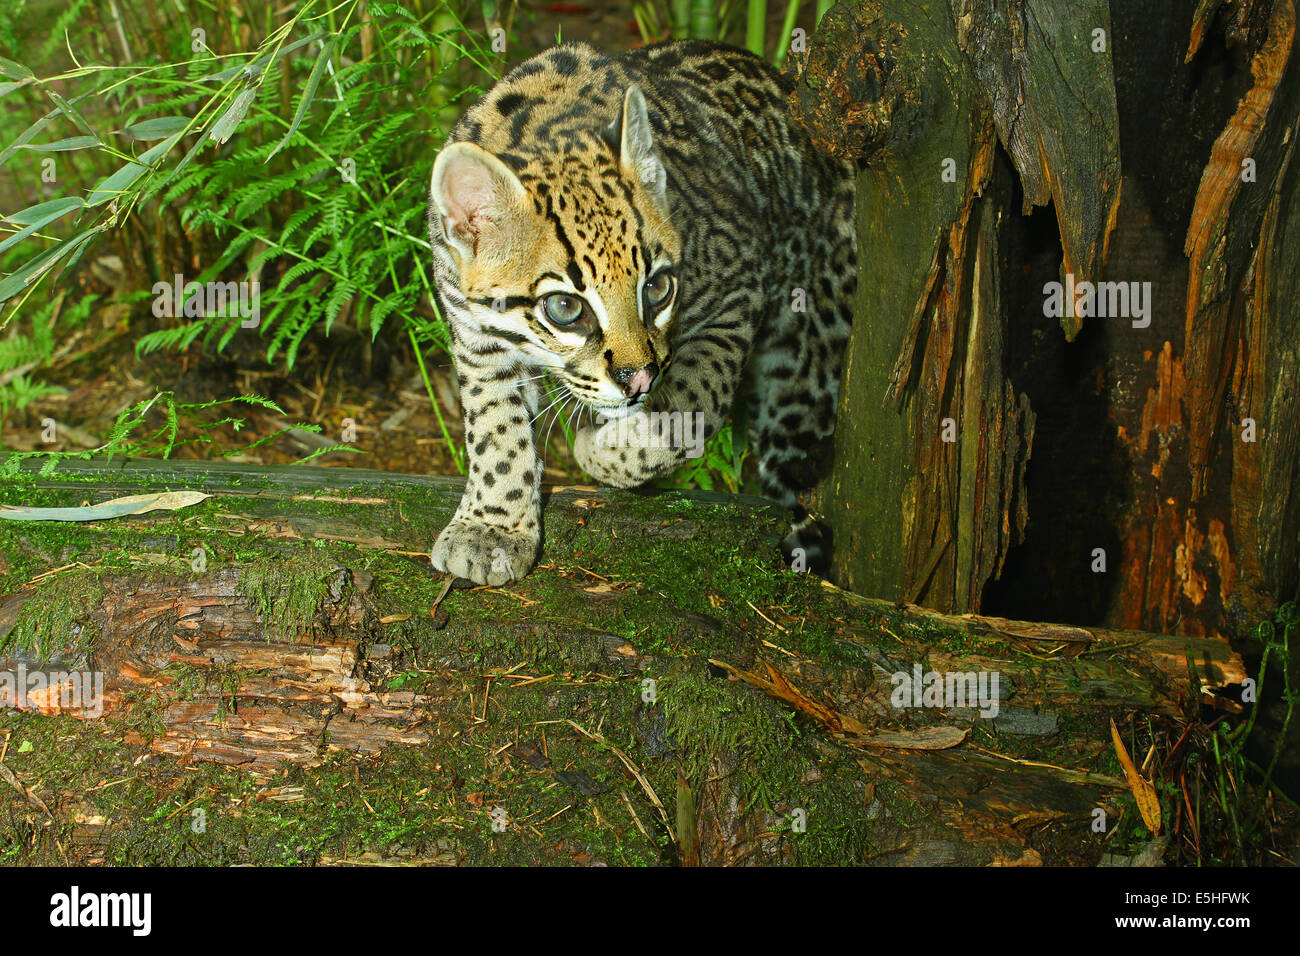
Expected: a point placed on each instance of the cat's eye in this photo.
(658, 288)
(563, 308)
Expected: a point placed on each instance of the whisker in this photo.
(554, 420)
(547, 408)
(525, 381)
(546, 443)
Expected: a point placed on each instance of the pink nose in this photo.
(636, 381)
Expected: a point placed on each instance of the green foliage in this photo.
(722, 463)
(301, 164)
(333, 228)
(1242, 807)
(720, 20)
(318, 197)
(151, 429)
(34, 346)
(681, 19)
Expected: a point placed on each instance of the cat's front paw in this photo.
(613, 453)
(485, 554)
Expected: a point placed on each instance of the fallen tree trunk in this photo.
(659, 689)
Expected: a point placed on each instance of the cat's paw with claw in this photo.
(485, 554)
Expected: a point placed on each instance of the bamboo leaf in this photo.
(74, 114)
(115, 508)
(258, 65)
(7, 88)
(32, 270)
(116, 184)
(158, 128)
(308, 94)
(49, 211)
(63, 145)
(29, 215)
(122, 180)
(15, 71)
(27, 135)
(189, 158)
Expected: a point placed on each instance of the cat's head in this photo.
(570, 256)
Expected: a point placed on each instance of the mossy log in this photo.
(659, 689)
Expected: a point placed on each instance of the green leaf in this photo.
(124, 178)
(63, 145)
(7, 88)
(27, 135)
(29, 215)
(258, 65)
(308, 93)
(189, 158)
(50, 211)
(74, 114)
(116, 184)
(15, 71)
(158, 128)
(32, 270)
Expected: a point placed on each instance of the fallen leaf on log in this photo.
(582, 782)
(925, 738)
(114, 508)
(1028, 858)
(529, 753)
(1143, 791)
(8, 777)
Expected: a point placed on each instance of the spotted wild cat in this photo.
(656, 234)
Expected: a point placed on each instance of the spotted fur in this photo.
(586, 183)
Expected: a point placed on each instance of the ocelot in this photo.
(653, 232)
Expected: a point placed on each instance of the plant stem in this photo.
(681, 17)
(457, 454)
(787, 28)
(756, 27)
(704, 19)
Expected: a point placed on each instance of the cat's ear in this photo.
(474, 194)
(636, 150)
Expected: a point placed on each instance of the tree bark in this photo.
(1137, 474)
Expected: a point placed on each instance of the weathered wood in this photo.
(1251, 154)
(1045, 68)
(1139, 474)
(773, 698)
(926, 172)
(952, 435)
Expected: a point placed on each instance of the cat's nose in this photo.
(636, 381)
